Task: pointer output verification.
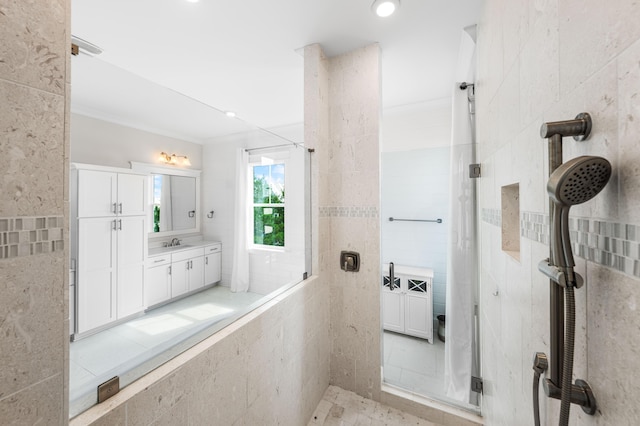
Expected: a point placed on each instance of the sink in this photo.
(181, 246)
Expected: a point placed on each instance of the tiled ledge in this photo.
(27, 236)
(612, 244)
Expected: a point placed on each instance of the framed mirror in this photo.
(174, 197)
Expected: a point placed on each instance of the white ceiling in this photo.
(190, 61)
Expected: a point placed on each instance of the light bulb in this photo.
(384, 8)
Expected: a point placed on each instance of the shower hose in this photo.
(567, 368)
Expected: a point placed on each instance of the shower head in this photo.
(574, 182)
(578, 180)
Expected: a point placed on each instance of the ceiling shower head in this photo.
(578, 180)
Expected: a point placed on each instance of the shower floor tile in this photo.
(341, 407)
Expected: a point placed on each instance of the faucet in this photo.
(174, 242)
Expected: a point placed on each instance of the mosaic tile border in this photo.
(612, 244)
(492, 216)
(369, 212)
(27, 236)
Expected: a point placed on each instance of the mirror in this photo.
(174, 198)
(173, 203)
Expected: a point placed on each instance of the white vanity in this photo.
(117, 274)
(407, 303)
(173, 272)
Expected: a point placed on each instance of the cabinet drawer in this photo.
(214, 248)
(187, 254)
(159, 260)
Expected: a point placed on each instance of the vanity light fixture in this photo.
(174, 159)
(384, 8)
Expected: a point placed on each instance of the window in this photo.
(268, 205)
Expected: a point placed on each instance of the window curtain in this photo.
(461, 261)
(240, 268)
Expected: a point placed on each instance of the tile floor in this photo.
(130, 349)
(415, 365)
(344, 408)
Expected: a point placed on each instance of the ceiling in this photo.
(172, 66)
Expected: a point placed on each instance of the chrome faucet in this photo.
(174, 242)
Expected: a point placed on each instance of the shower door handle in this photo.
(392, 278)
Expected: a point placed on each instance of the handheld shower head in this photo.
(574, 182)
(578, 180)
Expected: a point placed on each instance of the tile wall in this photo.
(34, 83)
(342, 111)
(548, 61)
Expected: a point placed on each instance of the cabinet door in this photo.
(132, 194)
(212, 264)
(96, 267)
(196, 273)
(393, 310)
(179, 277)
(131, 233)
(158, 285)
(97, 193)
(419, 321)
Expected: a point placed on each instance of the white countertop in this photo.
(158, 251)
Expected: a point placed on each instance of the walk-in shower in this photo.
(574, 182)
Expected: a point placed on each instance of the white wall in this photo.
(547, 61)
(100, 142)
(415, 185)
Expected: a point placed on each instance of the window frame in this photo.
(276, 160)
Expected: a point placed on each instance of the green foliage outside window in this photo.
(268, 205)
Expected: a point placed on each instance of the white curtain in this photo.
(166, 213)
(240, 269)
(461, 261)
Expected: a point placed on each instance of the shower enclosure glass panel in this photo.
(418, 185)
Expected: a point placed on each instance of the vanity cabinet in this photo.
(187, 271)
(212, 263)
(408, 308)
(179, 271)
(158, 287)
(108, 244)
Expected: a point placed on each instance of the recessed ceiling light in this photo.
(230, 114)
(384, 8)
(193, 1)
